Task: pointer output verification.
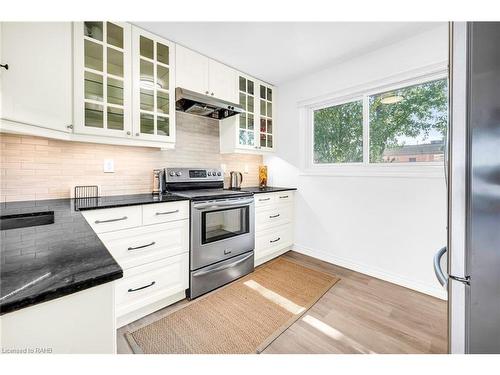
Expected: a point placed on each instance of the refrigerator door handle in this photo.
(441, 276)
(465, 280)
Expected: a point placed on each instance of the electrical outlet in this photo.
(109, 166)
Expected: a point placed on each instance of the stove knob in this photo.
(172, 173)
(209, 173)
(218, 173)
(179, 174)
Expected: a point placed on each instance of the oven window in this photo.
(221, 224)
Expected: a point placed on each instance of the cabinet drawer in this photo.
(164, 212)
(137, 246)
(273, 240)
(150, 283)
(283, 197)
(269, 199)
(264, 200)
(268, 217)
(109, 219)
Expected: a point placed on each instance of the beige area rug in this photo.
(242, 317)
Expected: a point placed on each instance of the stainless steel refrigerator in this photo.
(473, 274)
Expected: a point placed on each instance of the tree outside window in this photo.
(338, 133)
(405, 125)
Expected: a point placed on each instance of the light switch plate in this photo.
(109, 166)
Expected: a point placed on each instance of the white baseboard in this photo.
(372, 271)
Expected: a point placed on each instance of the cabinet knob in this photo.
(69, 126)
(206, 92)
(6, 66)
(137, 134)
(128, 133)
(212, 94)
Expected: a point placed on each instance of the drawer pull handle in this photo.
(142, 247)
(142, 287)
(111, 220)
(283, 196)
(264, 199)
(273, 216)
(167, 212)
(276, 240)
(227, 252)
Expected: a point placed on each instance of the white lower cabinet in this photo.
(111, 219)
(273, 225)
(151, 244)
(164, 212)
(79, 323)
(145, 244)
(144, 289)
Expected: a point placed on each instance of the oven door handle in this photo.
(220, 268)
(201, 206)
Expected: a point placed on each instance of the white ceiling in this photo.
(280, 51)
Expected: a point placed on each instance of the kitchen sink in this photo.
(31, 219)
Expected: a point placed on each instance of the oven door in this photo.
(221, 229)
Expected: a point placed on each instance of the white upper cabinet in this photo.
(247, 121)
(222, 82)
(102, 78)
(114, 83)
(206, 76)
(266, 118)
(192, 70)
(153, 87)
(36, 90)
(254, 130)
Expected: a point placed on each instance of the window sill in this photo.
(434, 170)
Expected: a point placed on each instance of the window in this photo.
(409, 124)
(338, 133)
(404, 125)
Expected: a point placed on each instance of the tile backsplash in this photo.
(42, 168)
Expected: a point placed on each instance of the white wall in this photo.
(387, 227)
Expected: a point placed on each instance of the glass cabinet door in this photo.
(246, 133)
(266, 117)
(101, 78)
(153, 88)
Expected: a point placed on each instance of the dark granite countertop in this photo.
(44, 262)
(267, 189)
(124, 200)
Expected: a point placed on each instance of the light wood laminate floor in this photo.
(360, 314)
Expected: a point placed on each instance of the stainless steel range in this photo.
(222, 227)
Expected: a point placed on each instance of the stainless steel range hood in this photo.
(204, 105)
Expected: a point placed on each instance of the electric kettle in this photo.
(235, 180)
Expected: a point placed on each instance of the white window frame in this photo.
(363, 92)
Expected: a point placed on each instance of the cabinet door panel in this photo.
(266, 121)
(191, 70)
(146, 284)
(246, 135)
(222, 81)
(102, 78)
(37, 87)
(153, 87)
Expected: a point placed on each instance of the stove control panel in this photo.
(193, 174)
